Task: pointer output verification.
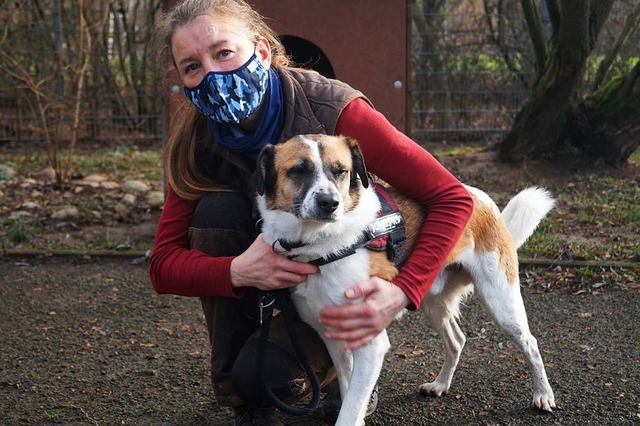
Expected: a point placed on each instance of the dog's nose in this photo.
(327, 203)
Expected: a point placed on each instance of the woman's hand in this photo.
(260, 267)
(360, 322)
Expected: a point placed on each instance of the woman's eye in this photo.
(191, 68)
(224, 54)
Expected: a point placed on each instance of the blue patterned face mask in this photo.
(231, 96)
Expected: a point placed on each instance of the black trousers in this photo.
(224, 224)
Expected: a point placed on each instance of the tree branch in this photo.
(629, 27)
(536, 33)
(498, 41)
(554, 15)
(598, 14)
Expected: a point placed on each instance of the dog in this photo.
(314, 190)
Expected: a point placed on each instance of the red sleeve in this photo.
(406, 166)
(174, 268)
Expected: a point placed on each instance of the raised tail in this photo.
(524, 212)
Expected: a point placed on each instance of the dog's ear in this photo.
(359, 169)
(264, 178)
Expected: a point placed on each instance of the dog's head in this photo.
(314, 177)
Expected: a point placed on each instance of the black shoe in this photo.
(331, 404)
(252, 416)
(373, 402)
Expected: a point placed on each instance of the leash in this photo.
(267, 304)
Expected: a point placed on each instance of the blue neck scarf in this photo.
(233, 138)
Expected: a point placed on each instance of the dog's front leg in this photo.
(342, 362)
(367, 364)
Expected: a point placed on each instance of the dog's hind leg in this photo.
(504, 302)
(441, 311)
(367, 364)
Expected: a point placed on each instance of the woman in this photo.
(241, 94)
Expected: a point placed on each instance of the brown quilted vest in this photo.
(312, 105)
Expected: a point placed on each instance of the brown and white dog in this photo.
(314, 190)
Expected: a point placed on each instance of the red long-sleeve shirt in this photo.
(388, 154)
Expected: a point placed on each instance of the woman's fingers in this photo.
(260, 267)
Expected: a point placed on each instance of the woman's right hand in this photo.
(260, 267)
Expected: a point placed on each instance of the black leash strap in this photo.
(267, 303)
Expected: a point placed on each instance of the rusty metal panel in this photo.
(365, 40)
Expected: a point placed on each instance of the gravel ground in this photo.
(89, 343)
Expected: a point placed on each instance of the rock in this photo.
(121, 209)
(28, 182)
(94, 178)
(47, 175)
(134, 186)
(20, 214)
(129, 200)
(29, 205)
(66, 213)
(7, 172)
(155, 198)
(109, 185)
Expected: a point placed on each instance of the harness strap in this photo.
(266, 312)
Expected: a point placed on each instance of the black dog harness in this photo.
(385, 233)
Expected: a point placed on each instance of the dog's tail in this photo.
(524, 212)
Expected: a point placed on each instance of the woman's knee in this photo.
(225, 210)
(223, 224)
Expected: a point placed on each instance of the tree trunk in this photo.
(539, 125)
(607, 125)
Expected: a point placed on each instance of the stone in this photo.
(47, 175)
(7, 172)
(109, 185)
(134, 186)
(20, 214)
(129, 200)
(155, 198)
(66, 213)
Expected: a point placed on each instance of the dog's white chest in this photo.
(329, 285)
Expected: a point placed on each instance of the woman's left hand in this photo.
(359, 322)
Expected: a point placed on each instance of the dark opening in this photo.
(307, 55)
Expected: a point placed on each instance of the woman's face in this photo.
(211, 44)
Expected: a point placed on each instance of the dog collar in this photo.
(386, 232)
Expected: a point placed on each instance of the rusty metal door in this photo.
(366, 42)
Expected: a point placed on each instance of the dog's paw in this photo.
(434, 389)
(544, 402)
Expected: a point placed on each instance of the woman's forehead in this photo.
(214, 27)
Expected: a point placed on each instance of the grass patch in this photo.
(123, 162)
(20, 232)
(454, 151)
(118, 163)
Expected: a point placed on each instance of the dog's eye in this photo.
(298, 170)
(339, 172)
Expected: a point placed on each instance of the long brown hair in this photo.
(187, 125)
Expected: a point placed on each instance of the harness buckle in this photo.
(266, 301)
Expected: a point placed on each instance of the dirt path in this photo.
(90, 343)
